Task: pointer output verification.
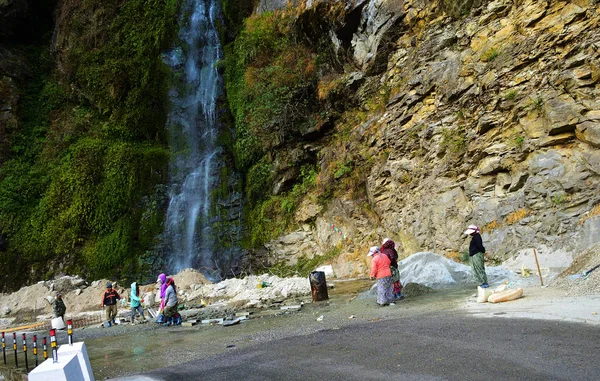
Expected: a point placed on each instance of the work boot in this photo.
(107, 324)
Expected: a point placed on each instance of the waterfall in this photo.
(192, 126)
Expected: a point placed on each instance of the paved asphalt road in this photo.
(452, 347)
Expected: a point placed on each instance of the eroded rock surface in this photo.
(492, 119)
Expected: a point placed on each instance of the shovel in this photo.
(583, 275)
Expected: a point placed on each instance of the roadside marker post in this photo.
(3, 348)
(70, 331)
(15, 349)
(53, 345)
(45, 348)
(25, 352)
(35, 354)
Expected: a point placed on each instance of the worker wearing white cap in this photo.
(476, 253)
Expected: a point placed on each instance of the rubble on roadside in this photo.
(582, 277)
(194, 290)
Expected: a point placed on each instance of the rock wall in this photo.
(492, 119)
(11, 70)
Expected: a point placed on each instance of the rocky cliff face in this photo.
(490, 119)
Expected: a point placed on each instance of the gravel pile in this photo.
(435, 271)
(574, 281)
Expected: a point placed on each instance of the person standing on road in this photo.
(58, 307)
(109, 303)
(380, 270)
(388, 248)
(476, 253)
(136, 303)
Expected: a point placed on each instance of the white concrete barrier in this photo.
(84, 361)
(66, 369)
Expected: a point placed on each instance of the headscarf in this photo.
(171, 282)
(162, 278)
(389, 248)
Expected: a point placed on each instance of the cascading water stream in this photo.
(192, 132)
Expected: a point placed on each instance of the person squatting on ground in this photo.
(58, 307)
(109, 303)
(380, 270)
(170, 310)
(136, 303)
(388, 248)
(476, 253)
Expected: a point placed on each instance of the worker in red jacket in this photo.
(109, 303)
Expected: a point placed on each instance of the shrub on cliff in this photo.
(271, 84)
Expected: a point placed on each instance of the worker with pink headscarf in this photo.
(162, 280)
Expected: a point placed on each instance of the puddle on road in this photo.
(350, 287)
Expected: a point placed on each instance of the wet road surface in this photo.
(429, 347)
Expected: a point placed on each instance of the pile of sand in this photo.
(190, 280)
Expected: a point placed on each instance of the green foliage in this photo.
(271, 85)
(271, 82)
(273, 215)
(511, 95)
(458, 8)
(559, 199)
(490, 55)
(235, 12)
(258, 180)
(343, 169)
(304, 266)
(81, 187)
(379, 99)
(518, 141)
(454, 140)
(122, 75)
(537, 102)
